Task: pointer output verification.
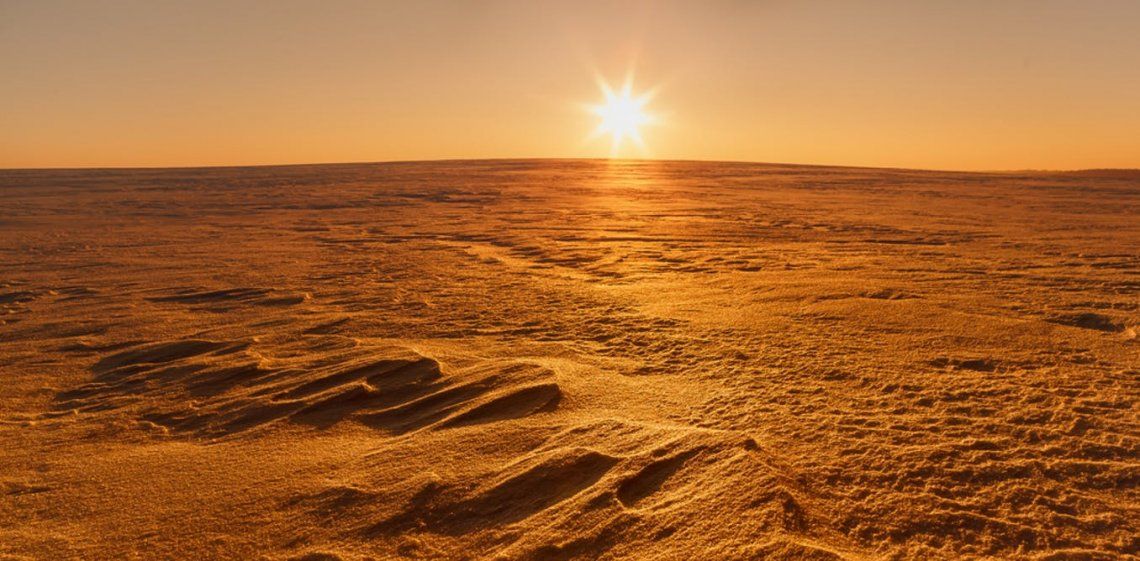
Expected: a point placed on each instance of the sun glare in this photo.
(622, 115)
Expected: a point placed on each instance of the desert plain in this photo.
(569, 359)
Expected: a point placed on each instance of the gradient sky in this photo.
(956, 84)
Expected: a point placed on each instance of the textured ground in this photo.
(547, 360)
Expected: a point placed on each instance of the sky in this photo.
(956, 84)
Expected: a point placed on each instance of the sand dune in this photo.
(544, 360)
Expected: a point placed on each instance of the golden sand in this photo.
(545, 360)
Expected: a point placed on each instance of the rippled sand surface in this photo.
(545, 360)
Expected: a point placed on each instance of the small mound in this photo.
(17, 296)
(423, 410)
(502, 395)
(160, 353)
(511, 404)
(381, 373)
(647, 481)
(555, 479)
(886, 294)
(1089, 320)
(521, 491)
(975, 364)
(255, 296)
(316, 556)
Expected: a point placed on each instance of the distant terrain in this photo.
(559, 359)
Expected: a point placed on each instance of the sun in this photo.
(622, 115)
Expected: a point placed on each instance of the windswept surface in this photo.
(546, 360)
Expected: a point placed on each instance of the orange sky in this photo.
(953, 85)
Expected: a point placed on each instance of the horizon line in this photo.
(562, 158)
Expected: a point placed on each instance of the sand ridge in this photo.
(569, 360)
